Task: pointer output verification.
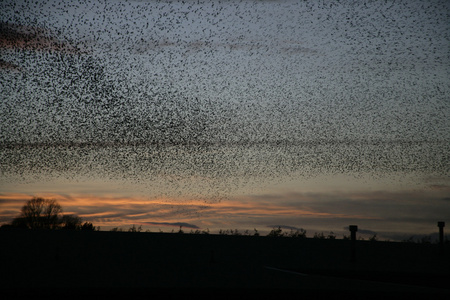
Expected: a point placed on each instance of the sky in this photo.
(229, 114)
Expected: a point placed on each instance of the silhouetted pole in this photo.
(353, 229)
(441, 226)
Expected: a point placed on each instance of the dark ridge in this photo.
(93, 264)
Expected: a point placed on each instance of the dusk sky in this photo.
(229, 114)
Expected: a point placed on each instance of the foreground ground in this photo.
(141, 265)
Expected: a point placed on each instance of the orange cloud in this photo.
(14, 36)
(270, 208)
(31, 38)
(9, 66)
(108, 210)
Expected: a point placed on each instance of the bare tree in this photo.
(40, 213)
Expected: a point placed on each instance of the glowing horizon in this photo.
(312, 211)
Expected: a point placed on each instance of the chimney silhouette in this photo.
(441, 226)
(353, 229)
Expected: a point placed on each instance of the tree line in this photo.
(40, 213)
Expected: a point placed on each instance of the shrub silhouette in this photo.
(135, 229)
(276, 232)
(299, 233)
(71, 222)
(197, 231)
(319, 236)
(87, 226)
(116, 229)
(331, 236)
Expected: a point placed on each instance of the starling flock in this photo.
(205, 98)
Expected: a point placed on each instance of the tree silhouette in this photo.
(87, 226)
(71, 222)
(39, 213)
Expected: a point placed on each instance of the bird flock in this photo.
(204, 98)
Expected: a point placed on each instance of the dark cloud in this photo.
(176, 224)
(284, 227)
(9, 66)
(15, 36)
(10, 212)
(386, 205)
(363, 231)
(440, 187)
(31, 38)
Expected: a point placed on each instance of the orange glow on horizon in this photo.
(113, 211)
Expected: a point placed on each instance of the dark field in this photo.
(93, 265)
